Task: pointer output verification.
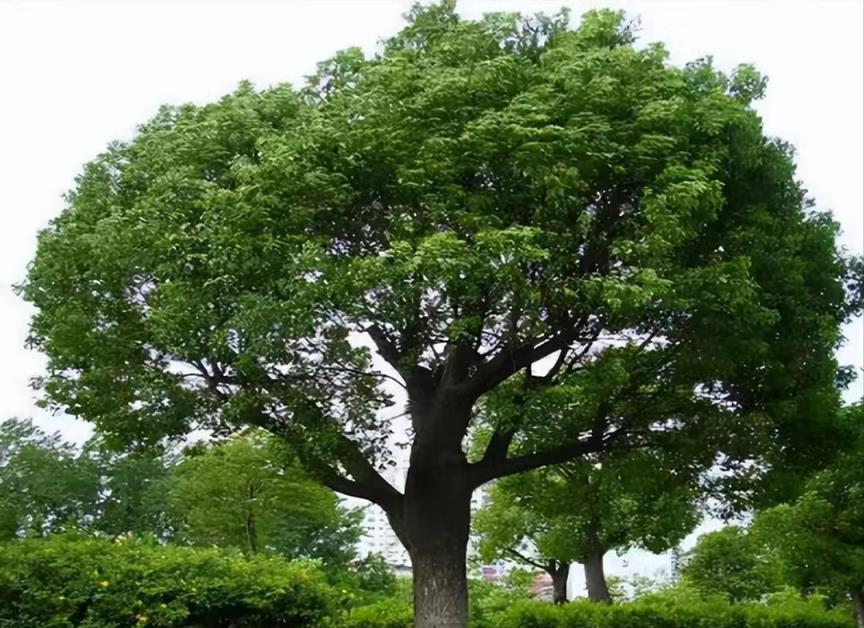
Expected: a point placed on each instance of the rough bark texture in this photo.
(434, 525)
(560, 573)
(440, 589)
(857, 594)
(595, 578)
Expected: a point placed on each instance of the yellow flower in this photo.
(143, 619)
(104, 584)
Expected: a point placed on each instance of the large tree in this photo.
(577, 512)
(478, 199)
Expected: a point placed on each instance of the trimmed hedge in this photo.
(66, 581)
(643, 613)
(96, 583)
(653, 613)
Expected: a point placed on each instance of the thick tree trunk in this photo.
(440, 588)
(560, 573)
(595, 579)
(857, 594)
(434, 527)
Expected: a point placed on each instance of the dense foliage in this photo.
(818, 540)
(578, 512)
(44, 482)
(98, 583)
(729, 562)
(247, 493)
(651, 612)
(661, 614)
(476, 198)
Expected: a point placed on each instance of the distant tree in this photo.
(134, 492)
(45, 485)
(480, 197)
(729, 562)
(819, 538)
(578, 512)
(249, 493)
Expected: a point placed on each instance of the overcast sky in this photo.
(77, 75)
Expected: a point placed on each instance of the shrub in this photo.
(94, 582)
(392, 611)
(660, 613)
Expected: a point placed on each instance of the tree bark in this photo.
(435, 528)
(440, 588)
(595, 579)
(857, 595)
(560, 573)
(433, 524)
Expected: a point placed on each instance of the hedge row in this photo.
(96, 583)
(640, 614)
(65, 581)
(651, 614)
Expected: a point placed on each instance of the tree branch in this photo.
(341, 484)
(508, 361)
(386, 348)
(526, 560)
(366, 476)
(486, 470)
(498, 445)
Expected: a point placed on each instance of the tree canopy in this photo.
(250, 494)
(818, 539)
(45, 484)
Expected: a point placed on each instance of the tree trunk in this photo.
(595, 579)
(433, 525)
(560, 574)
(251, 532)
(440, 588)
(437, 543)
(857, 594)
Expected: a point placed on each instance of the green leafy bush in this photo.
(388, 613)
(95, 582)
(656, 612)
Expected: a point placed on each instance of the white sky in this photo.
(76, 75)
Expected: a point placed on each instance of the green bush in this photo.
(94, 582)
(390, 613)
(657, 612)
(487, 601)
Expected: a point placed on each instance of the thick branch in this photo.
(498, 445)
(366, 477)
(487, 470)
(386, 348)
(366, 482)
(508, 361)
(343, 485)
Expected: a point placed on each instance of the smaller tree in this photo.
(45, 485)
(554, 517)
(819, 538)
(134, 494)
(729, 562)
(249, 493)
